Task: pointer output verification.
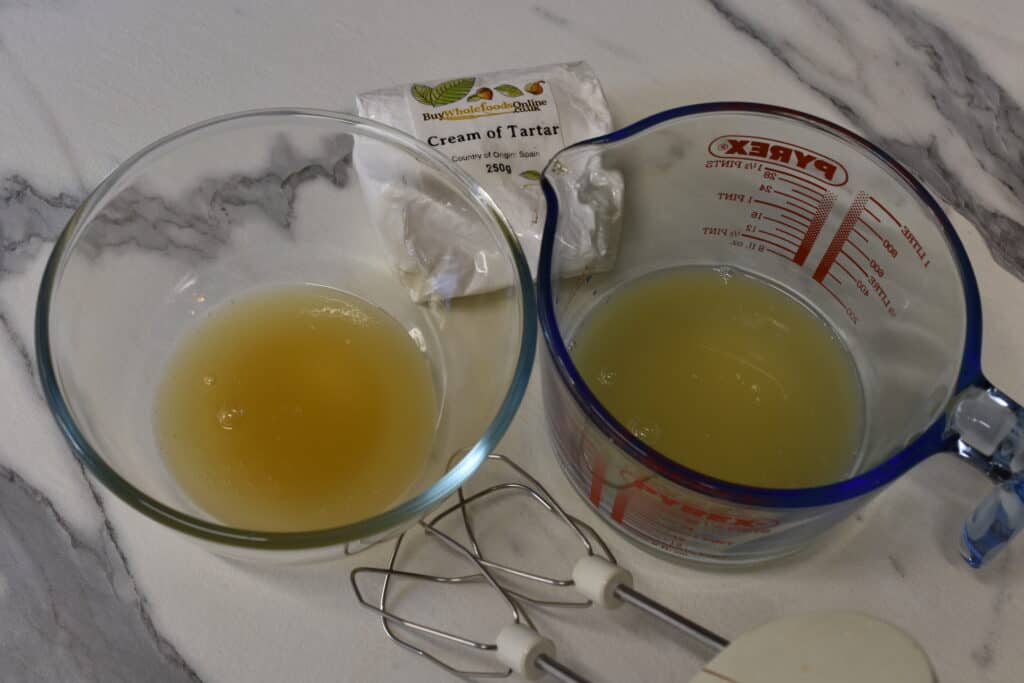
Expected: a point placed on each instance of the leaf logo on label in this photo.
(452, 91)
(421, 93)
(530, 175)
(509, 90)
(448, 92)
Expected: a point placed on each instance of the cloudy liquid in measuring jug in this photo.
(296, 408)
(726, 375)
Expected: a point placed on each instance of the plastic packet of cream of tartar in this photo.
(501, 128)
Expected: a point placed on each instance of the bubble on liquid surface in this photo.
(417, 336)
(606, 377)
(209, 380)
(648, 433)
(332, 308)
(724, 272)
(227, 418)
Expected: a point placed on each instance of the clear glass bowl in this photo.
(245, 201)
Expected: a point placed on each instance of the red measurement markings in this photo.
(839, 239)
(788, 257)
(868, 226)
(781, 221)
(789, 233)
(834, 296)
(799, 200)
(796, 207)
(783, 208)
(774, 244)
(842, 252)
(795, 243)
(800, 211)
(871, 213)
(814, 229)
(796, 178)
(814, 197)
(619, 503)
(597, 481)
(858, 233)
(804, 190)
(834, 278)
(862, 252)
(846, 270)
(888, 213)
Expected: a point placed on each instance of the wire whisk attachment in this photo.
(596, 578)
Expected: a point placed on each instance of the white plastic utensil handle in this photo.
(837, 647)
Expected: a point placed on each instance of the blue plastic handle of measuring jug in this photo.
(991, 428)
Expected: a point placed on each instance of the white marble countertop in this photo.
(91, 591)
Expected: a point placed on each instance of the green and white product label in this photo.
(501, 133)
(502, 128)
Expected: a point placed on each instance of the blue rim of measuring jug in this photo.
(929, 442)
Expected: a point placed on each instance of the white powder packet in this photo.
(501, 128)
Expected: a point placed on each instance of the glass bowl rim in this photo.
(393, 518)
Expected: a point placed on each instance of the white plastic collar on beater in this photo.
(519, 648)
(596, 578)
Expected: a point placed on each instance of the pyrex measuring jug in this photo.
(837, 223)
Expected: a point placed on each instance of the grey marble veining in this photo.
(70, 607)
(83, 589)
(194, 223)
(991, 642)
(62, 593)
(17, 343)
(978, 111)
(30, 221)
